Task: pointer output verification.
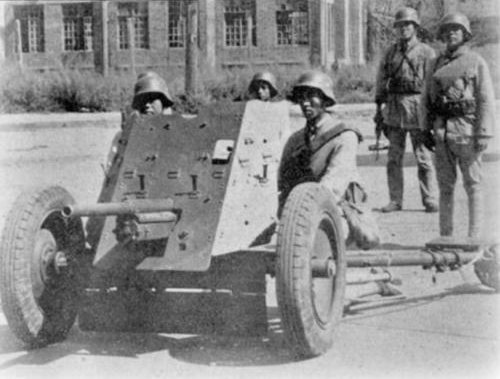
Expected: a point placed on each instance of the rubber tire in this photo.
(487, 268)
(308, 209)
(40, 315)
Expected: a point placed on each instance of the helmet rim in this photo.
(266, 77)
(317, 80)
(406, 14)
(148, 85)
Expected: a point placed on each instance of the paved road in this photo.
(447, 328)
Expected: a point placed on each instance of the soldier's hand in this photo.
(378, 118)
(480, 144)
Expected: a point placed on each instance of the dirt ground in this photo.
(447, 327)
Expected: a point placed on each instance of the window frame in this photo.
(240, 10)
(299, 33)
(31, 44)
(82, 16)
(177, 39)
(139, 13)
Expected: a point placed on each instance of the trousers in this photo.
(425, 167)
(453, 151)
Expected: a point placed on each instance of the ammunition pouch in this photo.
(454, 108)
(405, 86)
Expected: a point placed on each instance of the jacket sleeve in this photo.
(425, 118)
(341, 165)
(485, 102)
(381, 81)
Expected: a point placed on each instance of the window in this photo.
(176, 23)
(292, 21)
(137, 13)
(239, 21)
(78, 27)
(31, 20)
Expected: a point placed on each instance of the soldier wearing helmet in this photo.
(324, 150)
(458, 108)
(151, 97)
(263, 86)
(399, 84)
(151, 94)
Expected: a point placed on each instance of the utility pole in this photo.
(105, 39)
(192, 85)
(19, 44)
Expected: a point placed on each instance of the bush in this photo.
(63, 90)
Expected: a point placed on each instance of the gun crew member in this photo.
(263, 86)
(458, 106)
(325, 151)
(151, 97)
(399, 84)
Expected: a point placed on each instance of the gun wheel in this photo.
(311, 305)
(487, 268)
(39, 286)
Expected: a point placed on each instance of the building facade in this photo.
(123, 34)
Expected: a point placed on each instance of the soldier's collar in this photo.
(313, 127)
(456, 53)
(405, 45)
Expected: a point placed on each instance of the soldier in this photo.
(263, 86)
(399, 84)
(458, 108)
(325, 152)
(151, 97)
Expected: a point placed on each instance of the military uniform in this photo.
(325, 153)
(458, 104)
(399, 84)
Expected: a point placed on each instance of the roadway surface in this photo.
(446, 326)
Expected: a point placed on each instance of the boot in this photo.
(393, 206)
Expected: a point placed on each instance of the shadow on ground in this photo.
(209, 350)
(371, 160)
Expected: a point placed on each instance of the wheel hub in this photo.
(48, 261)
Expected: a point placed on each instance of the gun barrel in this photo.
(138, 206)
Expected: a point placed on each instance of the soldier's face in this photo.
(406, 30)
(263, 91)
(453, 36)
(311, 103)
(152, 106)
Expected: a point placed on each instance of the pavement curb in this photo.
(24, 121)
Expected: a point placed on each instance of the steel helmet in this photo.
(150, 83)
(406, 15)
(455, 19)
(264, 76)
(318, 80)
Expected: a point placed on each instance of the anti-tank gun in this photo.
(183, 234)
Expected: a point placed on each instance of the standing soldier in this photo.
(263, 86)
(458, 106)
(399, 85)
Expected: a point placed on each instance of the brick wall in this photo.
(211, 38)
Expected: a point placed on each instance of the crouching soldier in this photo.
(151, 97)
(458, 107)
(325, 151)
